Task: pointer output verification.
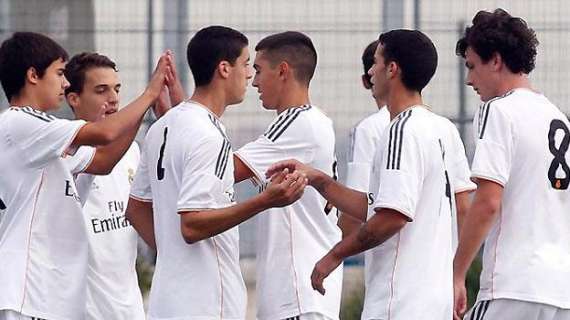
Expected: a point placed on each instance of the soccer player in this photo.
(411, 226)
(43, 240)
(112, 284)
(182, 197)
(364, 138)
(522, 204)
(291, 239)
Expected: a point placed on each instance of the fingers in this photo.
(280, 166)
(279, 176)
(317, 279)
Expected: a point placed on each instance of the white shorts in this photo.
(500, 309)
(307, 316)
(13, 315)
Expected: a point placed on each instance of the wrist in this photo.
(318, 180)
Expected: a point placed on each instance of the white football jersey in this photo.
(409, 276)
(43, 241)
(187, 165)
(292, 239)
(522, 143)
(112, 284)
(364, 138)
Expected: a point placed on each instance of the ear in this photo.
(72, 99)
(32, 75)
(284, 70)
(392, 70)
(365, 82)
(497, 61)
(223, 69)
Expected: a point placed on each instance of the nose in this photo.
(65, 83)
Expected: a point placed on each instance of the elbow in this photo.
(490, 207)
(191, 235)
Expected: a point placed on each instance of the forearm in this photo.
(462, 203)
(381, 227)
(348, 224)
(201, 225)
(474, 229)
(347, 200)
(141, 218)
(106, 157)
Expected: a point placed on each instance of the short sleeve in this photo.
(140, 188)
(41, 137)
(260, 154)
(402, 171)
(82, 158)
(458, 167)
(202, 185)
(494, 144)
(361, 153)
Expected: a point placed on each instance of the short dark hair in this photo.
(368, 58)
(209, 47)
(294, 47)
(499, 32)
(78, 66)
(22, 51)
(414, 53)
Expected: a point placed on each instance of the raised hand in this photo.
(293, 166)
(162, 104)
(175, 89)
(285, 188)
(159, 76)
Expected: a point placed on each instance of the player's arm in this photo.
(381, 227)
(283, 190)
(241, 170)
(344, 199)
(114, 126)
(348, 224)
(462, 203)
(476, 224)
(140, 215)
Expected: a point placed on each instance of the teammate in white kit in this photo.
(291, 239)
(522, 204)
(182, 198)
(43, 240)
(412, 221)
(112, 284)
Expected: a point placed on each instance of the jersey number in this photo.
(559, 155)
(159, 168)
(2, 205)
(329, 206)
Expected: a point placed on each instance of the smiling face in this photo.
(99, 96)
(266, 81)
(50, 88)
(481, 76)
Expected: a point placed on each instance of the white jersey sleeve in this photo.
(401, 169)
(140, 188)
(458, 167)
(42, 137)
(494, 145)
(278, 144)
(361, 152)
(82, 158)
(202, 186)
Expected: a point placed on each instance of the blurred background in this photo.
(134, 32)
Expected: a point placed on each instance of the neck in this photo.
(293, 96)
(400, 100)
(27, 99)
(513, 81)
(214, 100)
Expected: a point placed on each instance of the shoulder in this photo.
(297, 117)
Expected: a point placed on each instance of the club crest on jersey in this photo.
(131, 173)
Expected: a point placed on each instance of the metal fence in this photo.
(134, 32)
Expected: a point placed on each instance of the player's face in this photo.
(378, 75)
(100, 94)
(266, 81)
(239, 76)
(481, 76)
(51, 87)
